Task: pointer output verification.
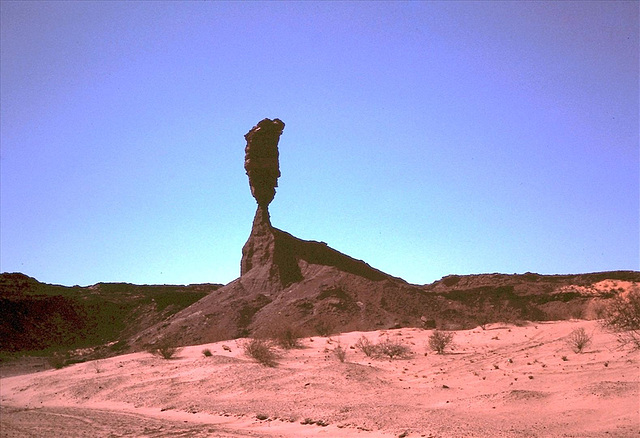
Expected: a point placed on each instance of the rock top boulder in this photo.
(261, 159)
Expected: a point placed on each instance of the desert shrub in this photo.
(393, 349)
(340, 353)
(366, 346)
(578, 340)
(389, 348)
(262, 351)
(164, 349)
(451, 280)
(323, 328)
(207, 353)
(439, 340)
(482, 320)
(622, 316)
(57, 360)
(287, 337)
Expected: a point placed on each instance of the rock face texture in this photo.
(261, 159)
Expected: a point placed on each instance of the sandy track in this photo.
(81, 422)
(501, 382)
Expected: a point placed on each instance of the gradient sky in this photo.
(426, 138)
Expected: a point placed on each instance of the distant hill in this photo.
(38, 316)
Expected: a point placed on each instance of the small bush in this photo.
(439, 340)
(366, 346)
(340, 353)
(262, 351)
(287, 337)
(393, 349)
(207, 353)
(323, 328)
(389, 348)
(578, 340)
(622, 316)
(164, 349)
(57, 361)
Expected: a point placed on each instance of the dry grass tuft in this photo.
(262, 351)
(340, 353)
(164, 349)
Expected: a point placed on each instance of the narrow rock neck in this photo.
(258, 251)
(261, 220)
(269, 254)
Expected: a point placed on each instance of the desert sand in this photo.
(505, 381)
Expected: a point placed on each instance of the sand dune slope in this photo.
(505, 381)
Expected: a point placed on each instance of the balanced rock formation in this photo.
(289, 280)
(272, 263)
(273, 257)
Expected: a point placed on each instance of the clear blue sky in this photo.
(427, 138)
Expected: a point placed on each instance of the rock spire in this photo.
(271, 258)
(261, 253)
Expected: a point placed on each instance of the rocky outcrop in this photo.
(272, 257)
(269, 260)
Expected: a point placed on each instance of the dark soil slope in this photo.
(38, 316)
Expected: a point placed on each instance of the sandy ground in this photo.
(505, 381)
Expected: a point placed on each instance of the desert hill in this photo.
(289, 283)
(38, 316)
